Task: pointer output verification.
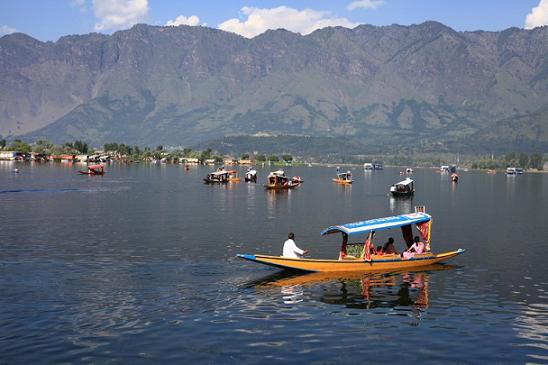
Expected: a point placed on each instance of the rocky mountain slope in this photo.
(185, 85)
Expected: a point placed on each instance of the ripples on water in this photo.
(138, 266)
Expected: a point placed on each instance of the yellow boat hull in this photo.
(377, 262)
(342, 182)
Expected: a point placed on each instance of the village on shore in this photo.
(79, 152)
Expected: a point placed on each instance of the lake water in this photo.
(138, 266)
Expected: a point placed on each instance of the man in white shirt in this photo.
(291, 249)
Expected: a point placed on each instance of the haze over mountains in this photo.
(422, 85)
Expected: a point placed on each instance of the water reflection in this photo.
(358, 290)
(401, 205)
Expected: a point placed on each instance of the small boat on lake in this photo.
(403, 188)
(216, 177)
(514, 171)
(343, 178)
(455, 177)
(365, 261)
(233, 176)
(277, 180)
(251, 176)
(93, 170)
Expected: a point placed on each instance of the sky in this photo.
(48, 20)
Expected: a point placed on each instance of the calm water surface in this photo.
(139, 266)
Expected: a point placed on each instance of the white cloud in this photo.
(365, 4)
(301, 21)
(192, 20)
(538, 15)
(118, 14)
(5, 29)
(77, 3)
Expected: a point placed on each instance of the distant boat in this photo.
(403, 188)
(343, 178)
(512, 171)
(277, 180)
(454, 178)
(444, 169)
(491, 172)
(93, 170)
(233, 176)
(216, 177)
(251, 176)
(368, 166)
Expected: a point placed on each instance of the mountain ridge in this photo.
(185, 85)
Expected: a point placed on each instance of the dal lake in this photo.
(139, 266)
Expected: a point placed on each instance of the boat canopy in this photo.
(405, 182)
(378, 224)
(344, 175)
(277, 173)
(218, 173)
(95, 167)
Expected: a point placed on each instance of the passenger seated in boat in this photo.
(417, 247)
(291, 249)
(389, 247)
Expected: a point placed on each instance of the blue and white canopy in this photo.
(378, 224)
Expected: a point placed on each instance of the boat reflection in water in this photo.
(355, 290)
(401, 204)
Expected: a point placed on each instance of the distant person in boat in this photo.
(417, 247)
(291, 249)
(388, 247)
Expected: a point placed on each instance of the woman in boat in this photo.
(417, 247)
(388, 247)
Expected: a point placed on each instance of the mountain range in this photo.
(424, 85)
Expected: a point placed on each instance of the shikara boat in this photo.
(403, 188)
(233, 176)
(455, 177)
(216, 177)
(277, 180)
(366, 262)
(251, 176)
(343, 178)
(93, 170)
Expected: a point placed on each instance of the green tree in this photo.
(42, 146)
(536, 161)
(218, 159)
(245, 156)
(287, 158)
(187, 152)
(20, 146)
(523, 160)
(206, 154)
(273, 158)
(80, 146)
(260, 158)
(2, 143)
(159, 148)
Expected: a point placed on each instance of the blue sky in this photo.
(51, 19)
